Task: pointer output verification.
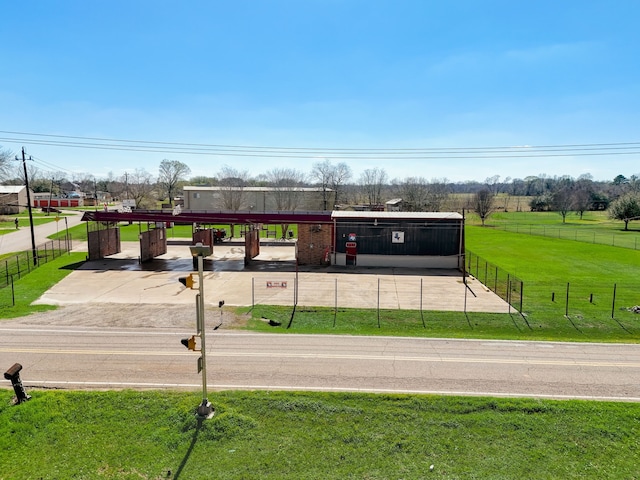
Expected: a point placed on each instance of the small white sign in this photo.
(397, 237)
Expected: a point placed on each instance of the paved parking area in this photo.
(271, 279)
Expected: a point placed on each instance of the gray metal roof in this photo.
(344, 214)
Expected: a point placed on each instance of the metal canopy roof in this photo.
(206, 217)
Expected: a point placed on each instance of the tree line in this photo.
(620, 196)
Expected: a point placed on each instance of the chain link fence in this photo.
(17, 265)
(435, 290)
(587, 299)
(502, 283)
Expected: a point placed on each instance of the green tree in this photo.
(625, 208)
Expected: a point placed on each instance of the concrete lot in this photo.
(270, 280)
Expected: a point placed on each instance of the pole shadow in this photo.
(189, 450)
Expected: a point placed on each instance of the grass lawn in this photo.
(276, 435)
(564, 276)
(409, 323)
(593, 227)
(30, 287)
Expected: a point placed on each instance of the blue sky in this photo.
(326, 75)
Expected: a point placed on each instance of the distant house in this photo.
(393, 205)
(13, 199)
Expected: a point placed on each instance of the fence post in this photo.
(378, 303)
(495, 282)
(486, 266)
(335, 305)
(253, 293)
(566, 308)
(6, 267)
(18, 264)
(13, 294)
(613, 303)
(421, 314)
(521, 294)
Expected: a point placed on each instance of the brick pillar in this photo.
(314, 243)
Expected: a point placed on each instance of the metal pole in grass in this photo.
(378, 303)
(566, 307)
(464, 282)
(335, 305)
(486, 267)
(253, 292)
(613, 303)
(421, 313)
(13, 293)
(521, 294)
(205, 409)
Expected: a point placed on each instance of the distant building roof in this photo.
(11, 188)
(394, 201)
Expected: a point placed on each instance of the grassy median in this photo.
(275, 435)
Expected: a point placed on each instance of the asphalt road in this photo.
(70, 357)
(20, 240)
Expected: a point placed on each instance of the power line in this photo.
(428, 153)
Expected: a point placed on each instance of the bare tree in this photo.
(437, 194)
(171, 173)
(341, 175)
(286, 183)
(583, 194)
(232, 183)
(333, 177)
(483, 204)
(141, 187)
(371, 183)
(323, 173)
(562, 198)
(414, 192)
(5, 163)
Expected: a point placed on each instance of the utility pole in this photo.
(34, 251)
(50, 197)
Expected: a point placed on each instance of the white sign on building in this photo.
(397, 237)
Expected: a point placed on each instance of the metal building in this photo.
(398, 239)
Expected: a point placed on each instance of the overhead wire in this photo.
(427, 153)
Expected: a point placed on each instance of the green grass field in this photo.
(278, 435)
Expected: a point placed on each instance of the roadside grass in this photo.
(298, 435)
(437, 324)
(30, 287)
